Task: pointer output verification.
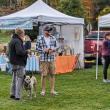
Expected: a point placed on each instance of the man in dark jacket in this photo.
(18, 57)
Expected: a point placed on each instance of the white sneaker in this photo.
(108, 81)
(105, 80)
(54, 93)
(42, 93)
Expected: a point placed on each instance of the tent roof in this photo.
(104, 21)
(40, 11)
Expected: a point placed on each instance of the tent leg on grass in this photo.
(97, 53)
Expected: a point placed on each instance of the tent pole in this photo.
(38, 28)
(97, 51)
(60, 30)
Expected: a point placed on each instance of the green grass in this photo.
(77, 91)
(4, 38)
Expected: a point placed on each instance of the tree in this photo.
(53, 3)
(71, 7)
(101, 4)
(99, 9)
(28, 2)
(106, 10)
(4, 3)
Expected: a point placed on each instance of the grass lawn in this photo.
(4, 38)
(77, 91)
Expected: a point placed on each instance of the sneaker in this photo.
(105, 80)
(17, 98)
(42, 93)
(108, 81)
(12, 97)
(54, 93)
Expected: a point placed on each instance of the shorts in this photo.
(47, 68)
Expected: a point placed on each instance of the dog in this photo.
(30, 85)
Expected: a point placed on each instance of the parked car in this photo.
(90, 47)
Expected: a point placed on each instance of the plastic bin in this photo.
(3, 67)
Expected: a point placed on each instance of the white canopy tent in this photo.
(41, 12)
(103, 21)
(72, 27)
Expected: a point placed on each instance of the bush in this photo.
(32, 33)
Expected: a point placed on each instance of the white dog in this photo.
(30, 85)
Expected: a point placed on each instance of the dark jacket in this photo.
(27, 45)
(106, 48)
(17, 52)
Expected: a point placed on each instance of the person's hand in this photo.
(28, 51)
(51, 51)
(46, 50)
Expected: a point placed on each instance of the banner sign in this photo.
(10, 24)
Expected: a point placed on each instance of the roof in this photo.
(104, 21)
(41, 12)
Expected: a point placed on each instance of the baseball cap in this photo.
(48, 28)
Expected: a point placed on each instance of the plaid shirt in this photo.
(41, 44)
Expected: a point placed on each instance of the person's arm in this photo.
(39, 46)
(27, 45)
(19, 49)
(54, 49)
(105, 43)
